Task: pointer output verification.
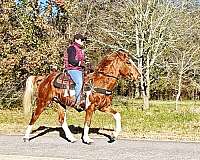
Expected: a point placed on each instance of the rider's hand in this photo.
(65, 71)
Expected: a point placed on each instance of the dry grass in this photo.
(161, 121)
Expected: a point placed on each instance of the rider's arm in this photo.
(71, 56)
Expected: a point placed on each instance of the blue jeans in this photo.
(77, 77)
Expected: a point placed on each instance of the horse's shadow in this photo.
(73, 129)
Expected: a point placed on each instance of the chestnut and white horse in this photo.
(103, 80)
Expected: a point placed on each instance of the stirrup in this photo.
(79, 109)
(80, 106)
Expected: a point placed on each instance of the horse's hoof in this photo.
(72, 140)
(112, 139)
(88, 141)
(26, 139)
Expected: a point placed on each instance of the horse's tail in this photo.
(28, 94)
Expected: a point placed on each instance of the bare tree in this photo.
(184, 60)
(152, 19)
(139, 27)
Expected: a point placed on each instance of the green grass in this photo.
(161, 121)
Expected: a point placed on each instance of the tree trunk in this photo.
(147, 96)
(179, 91)
(137, 90)
(146, 102)
(140, 52)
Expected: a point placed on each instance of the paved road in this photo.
(48, 147)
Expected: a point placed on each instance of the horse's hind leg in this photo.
(61, 115)
(35, 116)
(88, 117)
(63, 122)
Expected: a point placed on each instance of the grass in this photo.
(161, 121)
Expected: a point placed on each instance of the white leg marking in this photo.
(118, 127)
(68, 133)
(87, 99)
(28, 131)
(86, 137)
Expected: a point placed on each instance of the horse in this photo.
(115, 65)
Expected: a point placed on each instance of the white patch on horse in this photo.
(130, 60)
(118, 127)
(86, 137)
(28, 131)
(68, 133)
(87, 101)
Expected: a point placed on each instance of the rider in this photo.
(74, 65)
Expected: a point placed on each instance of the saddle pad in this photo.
(63, 81)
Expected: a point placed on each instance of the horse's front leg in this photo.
(88, 117)
(118, 127)
(63, 121)
(117, 118)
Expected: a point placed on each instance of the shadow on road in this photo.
(73, 129)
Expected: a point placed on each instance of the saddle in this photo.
(63, 81)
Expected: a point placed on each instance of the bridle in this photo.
(107, 75)
(111, 76)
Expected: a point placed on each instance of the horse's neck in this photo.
(105, 80)
(106, 74)
(99, 80)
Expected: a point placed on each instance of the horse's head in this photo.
(128, 68)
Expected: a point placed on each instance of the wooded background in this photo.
(162, 35)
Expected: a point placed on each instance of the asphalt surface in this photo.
(48, 147)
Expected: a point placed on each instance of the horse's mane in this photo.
(108, 60)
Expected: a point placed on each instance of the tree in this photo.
(33, 38)
(140, 28)
(184, 60)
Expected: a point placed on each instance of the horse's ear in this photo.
(122, 55)
(54, 68)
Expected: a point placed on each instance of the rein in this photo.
(102, 90)
(107, 75)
